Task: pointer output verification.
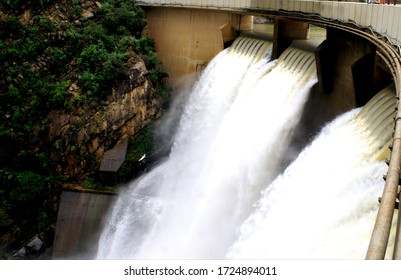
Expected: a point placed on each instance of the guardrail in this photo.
(382, 19)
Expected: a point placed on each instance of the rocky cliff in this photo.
(77, 140)
(77, 78)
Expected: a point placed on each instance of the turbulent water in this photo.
(324, 204)
(218, 194)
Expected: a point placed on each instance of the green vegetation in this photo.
(20, 5)
(40, 60)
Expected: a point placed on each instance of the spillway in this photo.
(220, 193)
(324, 204)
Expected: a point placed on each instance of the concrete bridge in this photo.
(383, 19)
(361, 53)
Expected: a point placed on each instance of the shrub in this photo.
(101, 68)
(59, 96)
(93, 33)
(13, 27)
(92, 57)
(19, 5)
(114, 66)
(29, 190)
(122, 13)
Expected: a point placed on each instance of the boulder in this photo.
(35, 245)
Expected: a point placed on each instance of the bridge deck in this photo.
(383, 19)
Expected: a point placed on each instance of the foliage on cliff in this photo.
(61, 43)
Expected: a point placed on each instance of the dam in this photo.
(238, 148)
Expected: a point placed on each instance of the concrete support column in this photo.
(246, 23)
(362, 74)
(187, 39)
(345, 65)
(285, 31)
(228, 34)
(325, 66)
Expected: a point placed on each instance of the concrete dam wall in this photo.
(187, 39)
(350, 72)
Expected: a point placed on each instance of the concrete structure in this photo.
(187, 39)
(363, 44)
(189, 33)
(383, 19)
(114, 158)
(365, 40)
(80, 219)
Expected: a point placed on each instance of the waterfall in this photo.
(324, 204)
(227, 146)
(218, 195)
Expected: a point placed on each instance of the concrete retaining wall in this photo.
(80, 218)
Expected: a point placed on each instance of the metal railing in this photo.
(369, 16)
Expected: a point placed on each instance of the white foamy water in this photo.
(218, 194)
(239, 116)
(325, 203)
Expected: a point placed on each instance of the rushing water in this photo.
(324, 204)
(216, 195)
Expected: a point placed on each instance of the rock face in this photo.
(75, 141)
(78, 139)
